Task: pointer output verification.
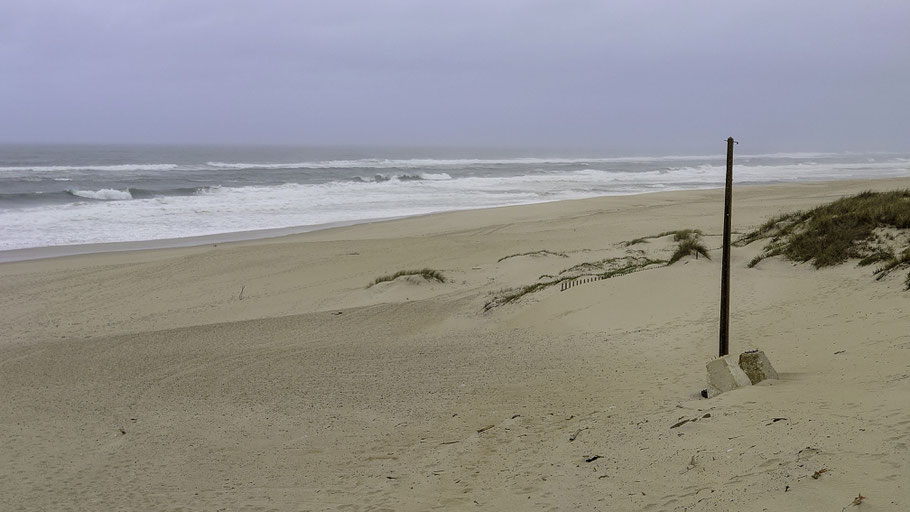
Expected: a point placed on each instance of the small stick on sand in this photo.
(573, 436)
(681, 423)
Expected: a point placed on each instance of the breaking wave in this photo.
(105, 194)
(378, 178)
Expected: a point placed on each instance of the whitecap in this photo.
(436, 176)
(105, 194)
(115, 168)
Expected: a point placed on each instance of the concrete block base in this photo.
(756, 366)
(724, 374)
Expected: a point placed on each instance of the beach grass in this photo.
(681, 235)
(859, 227)
(591, 266)
(603, 269)
(896, 261)
(678, 235)
(542, 252)
(507, 296)
(688, 243)
(426, 273)
(632, 265)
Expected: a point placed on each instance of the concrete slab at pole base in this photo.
(756, 366)
(724, 374)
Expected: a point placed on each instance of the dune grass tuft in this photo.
(631, 265)
(542, 252)
(681, 235)
(689, 243)
(848, 228)
(777, 226)
(893, 263)
(877, 257)
(678, 235)
(636, 241)
(426, 273)
(590, 266)
(506, 296)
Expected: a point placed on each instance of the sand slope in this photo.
(142, 381)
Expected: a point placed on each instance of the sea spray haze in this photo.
(62, 195)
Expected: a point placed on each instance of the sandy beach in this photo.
(266, 375)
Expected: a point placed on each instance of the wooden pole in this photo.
(725, 269)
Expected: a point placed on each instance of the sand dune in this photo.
(145, 381)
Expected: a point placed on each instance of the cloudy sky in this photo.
(624, 76)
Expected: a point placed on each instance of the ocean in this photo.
(52, 196)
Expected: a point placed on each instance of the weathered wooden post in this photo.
(725, 267)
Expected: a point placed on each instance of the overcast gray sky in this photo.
(625, 76)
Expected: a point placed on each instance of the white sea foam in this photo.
(105, 194)
(432, 163)
(794, 155)
(429, 163)
(112, 168)
(241, 208)
(381, 163)
(435, 176)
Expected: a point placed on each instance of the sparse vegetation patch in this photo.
(604, 269)
(542, 252)
(426, 273)
(591, 266)
(631, 265)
